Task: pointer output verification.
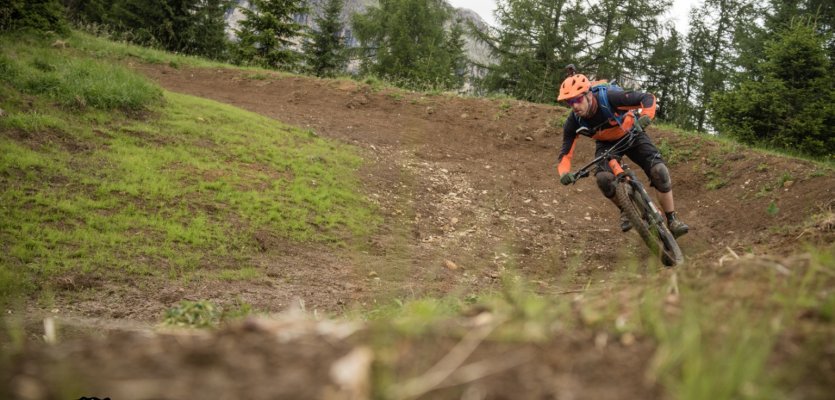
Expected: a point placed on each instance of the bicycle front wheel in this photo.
(649, 224)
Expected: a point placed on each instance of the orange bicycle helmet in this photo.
(573, 86)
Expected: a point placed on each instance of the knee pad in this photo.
(606, 183)
(659, 175)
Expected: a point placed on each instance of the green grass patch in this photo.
(676, 154)
(700, 357)
(31, 68)
(203, 314)
(396, 96)
(102, 48)
(772, 209)
(31, 122)
(182, 188)
(376, 84)
(13, 284)
(715, 180)
(728, 145)
(193, 314)
(242, 274)
(776, 184)
(415, 317)
(522, 314)
(785, 177)
(173, 193)
(716, 183)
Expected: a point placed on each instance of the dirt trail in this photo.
(473, 181)
(468, 189)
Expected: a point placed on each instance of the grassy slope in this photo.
(175, 184)
(104, 172)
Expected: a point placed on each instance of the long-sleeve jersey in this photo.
(602, 128)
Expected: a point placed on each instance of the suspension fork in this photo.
(651, 207)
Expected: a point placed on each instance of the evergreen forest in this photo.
(758, 72)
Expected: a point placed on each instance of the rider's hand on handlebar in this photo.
(568, 178)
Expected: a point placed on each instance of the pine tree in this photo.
(715, 31)
(325, 52)
(622, 37)
(207, 33)
(268, 35)
(534, 43)
(793, 106)
(405, 41)
(186, 26)
(665, 74)
(611, 39)
(89, 11)
(155, 23)
(820, 12)
(41, 15)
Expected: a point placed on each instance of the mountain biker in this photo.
(588, 118)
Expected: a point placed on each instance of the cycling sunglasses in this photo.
(574, 100)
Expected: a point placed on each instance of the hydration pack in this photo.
(600, 89)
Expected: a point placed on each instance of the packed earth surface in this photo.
(468, 190)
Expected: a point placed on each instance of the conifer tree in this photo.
(534, 43)
(622, 36)
(325, 52)
(186, 26)
(207, 31)
(269, 35)
(715, 32)
(405, 41)
(665, 74)
(89, 11)
(793, 106)
(820, 12)
(41, 15)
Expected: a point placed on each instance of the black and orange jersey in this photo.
(600, 126)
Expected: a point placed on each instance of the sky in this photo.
(485, 8)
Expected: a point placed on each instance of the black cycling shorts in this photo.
(642, 152)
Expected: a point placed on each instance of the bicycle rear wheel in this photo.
(649, 225)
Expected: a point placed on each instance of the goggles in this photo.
(574, 100)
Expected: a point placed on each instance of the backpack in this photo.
(601, 89)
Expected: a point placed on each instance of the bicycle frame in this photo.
(623, 142)
(622, 171)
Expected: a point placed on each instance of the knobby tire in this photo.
(657, 237)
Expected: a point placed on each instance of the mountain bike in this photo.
(636, 202)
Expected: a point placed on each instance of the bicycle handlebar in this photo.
(625, 140)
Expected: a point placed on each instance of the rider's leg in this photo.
(649, 159)
(606, 183)
(666, 200)
(660, 177)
